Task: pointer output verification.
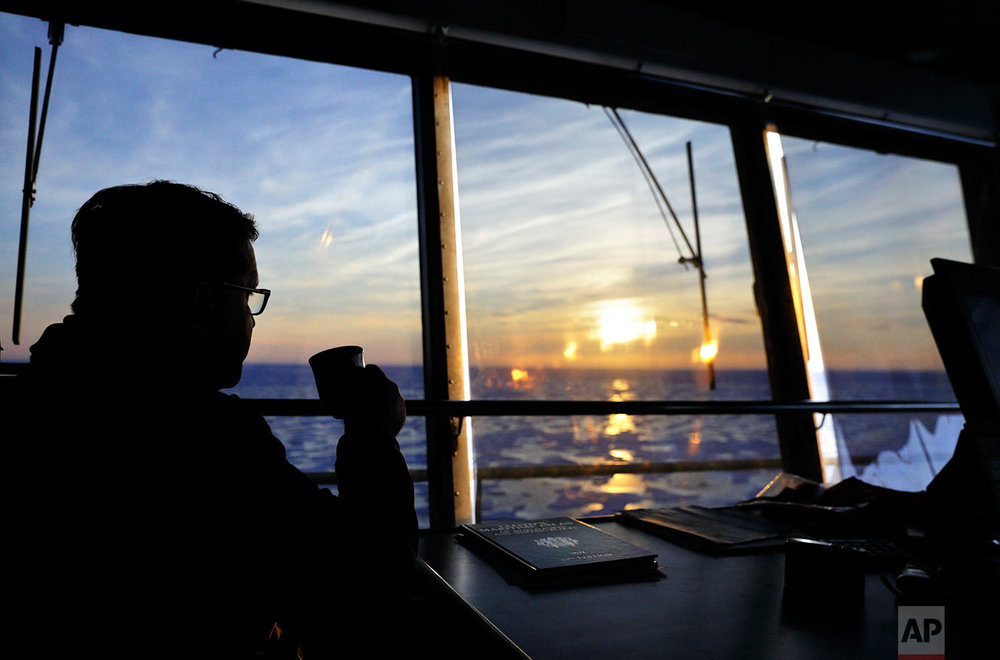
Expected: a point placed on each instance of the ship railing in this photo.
(461, 409)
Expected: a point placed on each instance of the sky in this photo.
(568, 262)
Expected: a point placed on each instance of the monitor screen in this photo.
(962, 305)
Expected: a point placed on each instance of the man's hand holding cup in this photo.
(359, 394)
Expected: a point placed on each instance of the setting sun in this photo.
(621, 322)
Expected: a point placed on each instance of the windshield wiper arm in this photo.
(32, 157)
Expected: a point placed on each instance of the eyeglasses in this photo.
(256, 298)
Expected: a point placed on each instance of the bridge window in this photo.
(580, 262)
(322, 155)
(581, 284)
(868, 226)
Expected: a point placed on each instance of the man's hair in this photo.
(136, 243)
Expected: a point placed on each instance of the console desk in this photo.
(705, 607)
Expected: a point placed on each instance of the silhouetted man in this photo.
(159, 517)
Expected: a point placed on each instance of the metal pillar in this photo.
(786, 357)
(449, 440)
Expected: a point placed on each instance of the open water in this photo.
(609, 439)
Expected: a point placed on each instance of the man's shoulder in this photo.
(227, 408)
(228, 399)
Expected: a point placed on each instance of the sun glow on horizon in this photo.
(622, 322)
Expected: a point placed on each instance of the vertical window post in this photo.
(450, 472)
(783, 342)
(805, 313)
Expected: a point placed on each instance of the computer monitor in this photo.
(962, 305)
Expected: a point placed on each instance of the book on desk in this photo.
(721, 530)
(741, 529)
(558, 551)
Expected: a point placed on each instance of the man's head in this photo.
(153, 262)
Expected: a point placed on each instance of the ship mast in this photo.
(695, 255)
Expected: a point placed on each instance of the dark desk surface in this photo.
(706, 607)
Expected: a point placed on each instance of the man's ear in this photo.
(201, 306)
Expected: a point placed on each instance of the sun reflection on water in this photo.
(621, 454)
(619, 423)
(694, 440)
(623, 483)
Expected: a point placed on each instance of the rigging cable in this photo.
(32, 158)
(616, 121)
(647, 172)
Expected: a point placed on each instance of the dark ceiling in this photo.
(958, 38)
(929, 65)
